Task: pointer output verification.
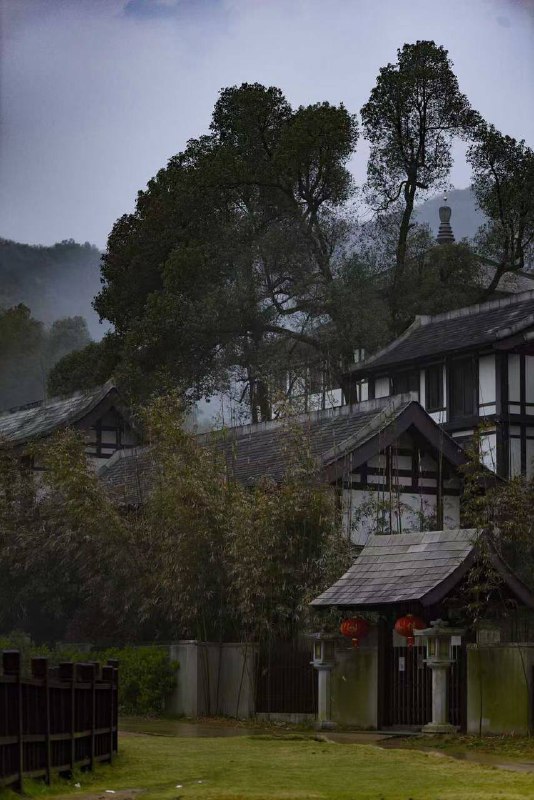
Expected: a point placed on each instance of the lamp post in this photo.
(437, 640)
(324, 662)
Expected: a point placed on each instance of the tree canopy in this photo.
(413, 114)
(245, 256)
(503, 182)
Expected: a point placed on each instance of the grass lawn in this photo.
(507, 748)
(280, 768)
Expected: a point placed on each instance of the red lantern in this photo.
(405, 626)
(354, 628)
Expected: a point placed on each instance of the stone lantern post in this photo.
(437, 640)
(324, 662)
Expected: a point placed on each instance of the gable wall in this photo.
(397, 492)
(111, 432)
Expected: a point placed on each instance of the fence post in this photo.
(86, 673)
(11, 665)
(95, 668)
(40, 671)
(107, 677)
(114, 662)
(66, 673)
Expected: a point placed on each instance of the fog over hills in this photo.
(54, 282)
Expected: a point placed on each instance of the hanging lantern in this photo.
(405, 626)
(354, 628)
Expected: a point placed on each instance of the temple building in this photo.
(99, 414)
(394, 467)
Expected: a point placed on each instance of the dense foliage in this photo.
(204, 558)
(411, 119)
(244, 258)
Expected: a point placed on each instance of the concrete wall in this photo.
(499, 688)
(354, 687)
(213, 679)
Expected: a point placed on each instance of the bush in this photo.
(146, 675)
(146, 678)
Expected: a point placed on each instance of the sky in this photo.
(97, 95)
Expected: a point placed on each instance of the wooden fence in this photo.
(55, 720)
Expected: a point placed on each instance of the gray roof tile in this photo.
(18, 427)
(253, 452)
(397, 568)
(470, 327)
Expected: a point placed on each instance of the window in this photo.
(434, 387)
(315, 379)
(463, 379)
(403, 382)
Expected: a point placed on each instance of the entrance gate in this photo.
(408, 687)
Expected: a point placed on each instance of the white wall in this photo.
(362, 510)
(487, 387)
(213, 679)
(382, 387)
(488, 447)
(513, 383)
(529, 384)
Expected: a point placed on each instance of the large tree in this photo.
(503, 182)
(411, 119)
(234, 254)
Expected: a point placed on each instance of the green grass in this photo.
(174, 726)
(247, 768)
(507, 748)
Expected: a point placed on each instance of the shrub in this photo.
(146, 678)
(146, 675)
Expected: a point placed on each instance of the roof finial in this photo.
(445, 234)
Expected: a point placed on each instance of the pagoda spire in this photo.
(445, 234)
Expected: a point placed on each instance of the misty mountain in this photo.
(54, 282)
(466, 217)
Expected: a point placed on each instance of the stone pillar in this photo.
(438, 640)
(324, 661)
(440, 699)
(324, 697)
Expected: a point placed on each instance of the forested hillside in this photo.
(45, 300)
(54, 282)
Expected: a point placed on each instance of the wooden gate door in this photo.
(408, 689)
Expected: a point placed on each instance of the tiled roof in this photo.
(18, 427)
(256, 451)
(465, 328)
(129, 475)
(400, 568)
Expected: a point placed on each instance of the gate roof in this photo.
(413, 567)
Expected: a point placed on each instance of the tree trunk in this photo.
(402, 246)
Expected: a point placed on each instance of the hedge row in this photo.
(146, 675)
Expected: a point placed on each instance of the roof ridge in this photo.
(381, 420)
(419, 320)
(479, 308)
(379, 404)
(103, 389)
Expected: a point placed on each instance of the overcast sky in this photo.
(96, 95)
